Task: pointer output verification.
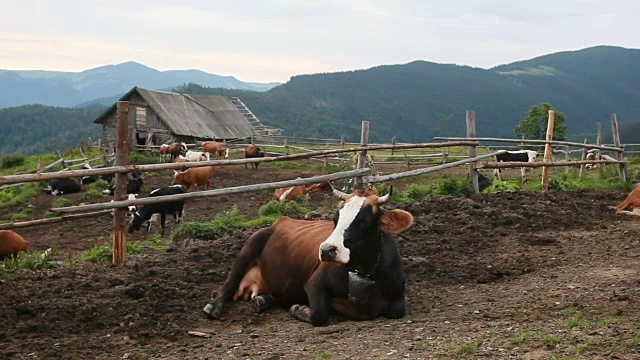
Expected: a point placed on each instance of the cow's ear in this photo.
(395, 221)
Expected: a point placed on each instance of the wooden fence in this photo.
(362, 174)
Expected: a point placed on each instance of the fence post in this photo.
(567, 157)
(342, 142)
(599, 138)
(471, 133)
(64, 166)
(393, 142)
(362, 156)
(547, 150)
(584, 157)
(120, 191)
(286, 148)
(616, 142)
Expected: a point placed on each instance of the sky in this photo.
(272, 40)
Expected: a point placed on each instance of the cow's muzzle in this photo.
(328, 252)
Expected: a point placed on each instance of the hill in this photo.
(36, 129)
(57, 88)
(419, 100)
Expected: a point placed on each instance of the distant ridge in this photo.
(57, 88)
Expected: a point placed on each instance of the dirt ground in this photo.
(503, 276)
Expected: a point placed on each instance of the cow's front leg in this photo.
(395, 309)
(317, 313)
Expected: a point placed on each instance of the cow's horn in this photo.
(338, 193)
(384, 199)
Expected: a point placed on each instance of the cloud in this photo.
(269, 41)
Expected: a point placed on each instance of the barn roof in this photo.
(199, 116)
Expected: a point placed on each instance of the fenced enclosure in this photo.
(329, 152)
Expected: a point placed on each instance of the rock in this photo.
(135, 292)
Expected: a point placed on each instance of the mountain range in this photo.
(67, 89)
(421, 99)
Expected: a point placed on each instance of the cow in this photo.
(175, 208)
(252, 151)
(289, 193)
(107, 177)
(164, 152)
(319, 187)
(197, 156)
(349, 265)
(214, 147)
(63, 186)
(133, 187)
(632, 200)
(193, 177)
(517, 156)
(131, 208)
(180, 159)
(176, 149)
(86, 180)
(594, 154)
(11, 244)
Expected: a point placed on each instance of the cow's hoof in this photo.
(263, 302)
(300, 312)
(213, 310)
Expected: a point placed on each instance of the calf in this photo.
(517, 156)
(175, 208)
(350, 265)
(63, 186)
(483, 181)
(11, 244)
(251, 152)
(193, 177)
(197, 156)
(214, 147)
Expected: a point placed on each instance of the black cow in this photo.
(175, 208)
(349, 265)
(85, 180)
(63, 186)
(515, 156)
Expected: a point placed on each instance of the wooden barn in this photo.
(159, 117)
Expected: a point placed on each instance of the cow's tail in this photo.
(245, 260)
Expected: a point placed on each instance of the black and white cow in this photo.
(93, 178)
(515, 156)
(175, 208)
(63, 186)
(133, 187)
(594, 154)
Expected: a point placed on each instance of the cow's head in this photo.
(135, 221)
(359, 224)
(178, 177)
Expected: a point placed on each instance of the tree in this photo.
(534, 126)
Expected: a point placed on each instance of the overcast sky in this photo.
(271, 40)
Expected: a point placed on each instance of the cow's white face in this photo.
(335, 241)
(226, 153)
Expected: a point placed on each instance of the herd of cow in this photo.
(349, 265)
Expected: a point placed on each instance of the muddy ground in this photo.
(504, 276)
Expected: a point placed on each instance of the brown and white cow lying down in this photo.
(632, 200)
(348, 266)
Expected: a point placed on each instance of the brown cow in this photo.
(176, 149)
(289, 193)
(214, 147)
(193, 177)
(164, 151)
(632, 200)
(11, 244)
(350, 265)
(253, 151)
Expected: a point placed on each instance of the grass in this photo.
(465, 349)
(229, 221)
(22, 215)
(61, 202)
(576, 320)
(17, 195)
(550, 340)
(520, 338)
(91, 194)
(102, 253)
(420, 346)
(26, 261)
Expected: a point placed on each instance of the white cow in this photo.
(197, 156)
